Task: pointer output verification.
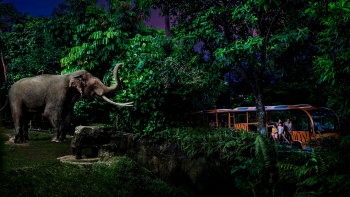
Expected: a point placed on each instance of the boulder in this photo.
(89, 137)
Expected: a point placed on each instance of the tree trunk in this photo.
(255, 82)
(2, 59)
(167, 25)
(260, 114)
(4, 67)
(260, 108)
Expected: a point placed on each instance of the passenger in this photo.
(223, 124)
(284, 137)
(212, 124)
(287, 126)
(280, 129)
(274, 133)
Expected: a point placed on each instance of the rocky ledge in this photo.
(165, 159)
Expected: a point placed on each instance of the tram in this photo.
(308, 122)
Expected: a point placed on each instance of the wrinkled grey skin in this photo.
(54, 96)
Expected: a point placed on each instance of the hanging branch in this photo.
(2, 59)
(4, 67)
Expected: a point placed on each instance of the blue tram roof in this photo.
(276, 107)
(267, 108)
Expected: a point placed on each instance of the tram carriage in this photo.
(308, 122)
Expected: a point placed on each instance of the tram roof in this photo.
(267, 108)
(277, 107)
(214, 111)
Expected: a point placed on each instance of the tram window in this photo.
(252, 117)
(240, 118)
(300, 121)
(330, 124)
(324, 120)
(274, 116)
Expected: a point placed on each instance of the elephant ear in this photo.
(77, 83)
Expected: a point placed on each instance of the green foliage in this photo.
(332, 60)
(30, 50)
(103, 38)
(8, 16)
(334, 52)
(260, 168)
(125, 173)
(87, 112)
(122, 178)
(99, 35)
(255, 174)
(244, 38)
(145, 81)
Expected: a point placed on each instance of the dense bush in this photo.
(260, 167)
(123, 177)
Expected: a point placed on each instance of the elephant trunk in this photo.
(106, 89)
(115, 74)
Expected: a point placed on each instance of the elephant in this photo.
(54, 96)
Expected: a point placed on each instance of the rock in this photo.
(89, 137)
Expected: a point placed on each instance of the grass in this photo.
(33, 170)
(39, 150)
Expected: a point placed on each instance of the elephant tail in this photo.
(6, 103)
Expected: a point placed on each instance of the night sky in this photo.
(45, 8)
(35, 7)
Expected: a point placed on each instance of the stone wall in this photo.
(166, 160)
(163, 158)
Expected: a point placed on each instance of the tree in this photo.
(8, 17)
(104, 37)
(30, 50)
(243, 37)
(331, 63)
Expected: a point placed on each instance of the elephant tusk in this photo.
(129, 104)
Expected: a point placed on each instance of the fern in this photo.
(286, 166)
(261, 152)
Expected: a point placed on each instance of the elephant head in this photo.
(88, 86)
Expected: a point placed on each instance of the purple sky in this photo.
(45, 8)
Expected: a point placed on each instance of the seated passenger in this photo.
(223, 124)
(212, 124)
(274, 133)
(279, 128)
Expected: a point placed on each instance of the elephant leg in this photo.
(25, 131)
(18, 122)
(19, 137)
(17, 117)
(56, 134)
(64, 127)
(62, 134)
(54, 121)
(25, 128)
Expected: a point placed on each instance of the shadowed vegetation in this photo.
(33, 170)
